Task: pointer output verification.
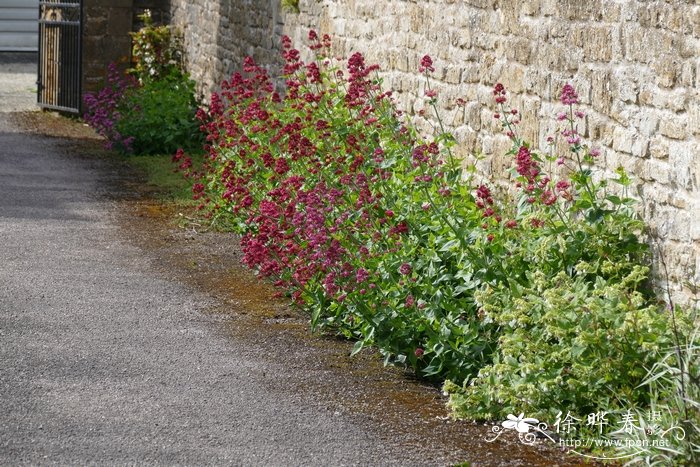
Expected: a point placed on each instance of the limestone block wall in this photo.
(160, 11)
(106, 27)
(635, 64)
(106, 39)
(218, 34)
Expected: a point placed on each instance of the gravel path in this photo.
(104, 363)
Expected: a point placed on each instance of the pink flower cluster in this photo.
(101, 108)
(298, 201)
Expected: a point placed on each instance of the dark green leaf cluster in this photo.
(160, 116)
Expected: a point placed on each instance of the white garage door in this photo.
(19, 29)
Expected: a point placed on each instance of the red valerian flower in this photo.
(426, 64)
(179, 154)
(526, 165)
(568, 95)
(286, 42)
(410, 301)
(548, 198)
(500, 93)
(483, 192)
(419, 155)
(361, 275)
(327, 41)
(399, 229)
(563, 185)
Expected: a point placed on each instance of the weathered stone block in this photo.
(666, 68)
(647, 123)
(658, 147)
(657, 170)
(681, 159)
(595, 41)
(119, 22)
(580, 11)
(601, 93)
(642, 45)
(623, 139)
(674, 127)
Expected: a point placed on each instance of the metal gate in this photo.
(59, 77)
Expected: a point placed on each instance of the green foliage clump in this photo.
(156, 51)
(673, 385)
(566, 343)
(160, 116)
(152, 108)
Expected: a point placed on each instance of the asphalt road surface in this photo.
(103, 362)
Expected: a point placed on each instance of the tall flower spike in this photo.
(568, 95)
(426, 64)
(499, 93)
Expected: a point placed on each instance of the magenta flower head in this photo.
(499, 92)
(568, 95)
(419, 352)
(410, 301)
(362, 275)
(483, 192)
(426, 64)
(405, 269)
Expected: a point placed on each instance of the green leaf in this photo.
(450, 245)
(359, 345)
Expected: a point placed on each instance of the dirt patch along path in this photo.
(126, 339)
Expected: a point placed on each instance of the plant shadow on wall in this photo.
(151, 108)
(535, 299)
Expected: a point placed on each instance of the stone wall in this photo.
(160, 11)
(218, 34)
(106, 27)
(635, 64)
